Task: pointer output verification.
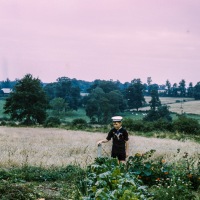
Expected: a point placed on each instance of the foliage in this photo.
(197, 91)
(143, 177)
(155, 101)
(59, 106)
(146, 126)
(134, 94)
(27, 103)
(167, 180)
(186, 125)
(64, 89)
(174, 189)
(79, 123)
(102, 106)
(162, 113)
(52, 122)
(106, 86)
(108, 180)
(149, 171)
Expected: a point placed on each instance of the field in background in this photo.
(169, 100)
(57, 147)
(178, 105)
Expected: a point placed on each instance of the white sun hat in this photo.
(117, 118)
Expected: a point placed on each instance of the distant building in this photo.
(5, 91)
(83, 94)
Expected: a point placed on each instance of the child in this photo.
(119, 137)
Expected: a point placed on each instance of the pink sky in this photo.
(100, 39)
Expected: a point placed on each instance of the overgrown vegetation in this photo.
(140, 178)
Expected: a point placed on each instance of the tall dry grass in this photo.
(57, 147)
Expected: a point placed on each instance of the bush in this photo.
(52, 122)
(79, 123)
(162, 125)
(145, 126)
(186, 125)
(3, 123)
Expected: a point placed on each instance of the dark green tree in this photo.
(27, 102)
(6, 83)
(64, 89)
(182, 88)
(50, 90)
(100, 106)
(162, 113)
(190, 92)
(93, 106)
(197, 91)
(106, 86)
(155, 101)
(168, 85)
(58, 105)
(117, 102)
(135, 94)
(174, 90)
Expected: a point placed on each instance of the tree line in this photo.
(30, 99)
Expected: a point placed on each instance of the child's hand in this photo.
(99, 143)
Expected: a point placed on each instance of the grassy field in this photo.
(170, 100)
(48, 147)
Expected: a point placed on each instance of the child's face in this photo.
(117, 125)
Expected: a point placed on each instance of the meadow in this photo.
(54, 163)
(49, 147)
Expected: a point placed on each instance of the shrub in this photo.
(79, 123)
(186, 125)
(162, 125)
(52, 122)
(3, 123)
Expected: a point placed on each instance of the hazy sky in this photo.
(100, 39)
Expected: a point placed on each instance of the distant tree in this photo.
(58, 105)
(135, 94)
(64, 89)
(182, 88)
(153, 87)
(197, 91)
(106, 86)
(6, 83)
(101, 106)
(93, 106)
(168, 85)
(175, 90)
(50, 90)
(117, 102)
(190, 92)
(155, 101)
(27, 103)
